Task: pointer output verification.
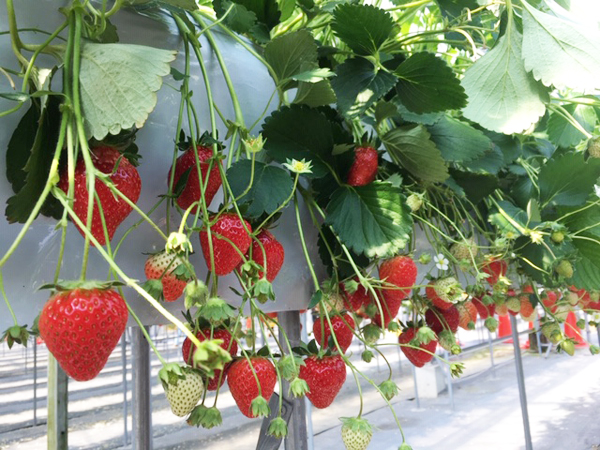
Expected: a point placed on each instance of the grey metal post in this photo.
(588, 334)
(491, 352)
(297, 438)
(34, 382)
(536, 324)
(521, 383)
(124, 363)
(414, 372)
(307, 403)
(141, 409)
(58, 398)
(449, 378)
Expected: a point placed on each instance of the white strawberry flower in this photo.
(302, 166)
(441, 262)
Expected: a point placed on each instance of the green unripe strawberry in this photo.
(594, 147)
(552, 332)
(564, 269)
(568, 346)
(414, 202)
(513, 304)
(183, 388)
(356, 433)
(464, 250)
(557, 237)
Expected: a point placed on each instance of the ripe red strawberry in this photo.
(126, 179)
(160, 266)
(81, 327)
(342, 328)
(418, 357)
(242, 383)
(231, 347)
(192, 192)
(364, 168)
(400, 271)
(325, 377)
(549, 299)
(495, 269)
(440, 319)
(273, 251)
(226, 257)
(467, 313)
(359, 298)
(483, 310)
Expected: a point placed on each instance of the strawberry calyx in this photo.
(70, 285)
(171, 373)
(278, 428)
(312, 349)
(205, 417)
(16, 334)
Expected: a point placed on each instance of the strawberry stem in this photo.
(12, 313)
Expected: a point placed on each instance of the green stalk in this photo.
(12, 313)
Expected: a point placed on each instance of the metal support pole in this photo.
(536, 324)
(491, 353)
(124, 363)
(297, 438)
(414, 371)
(521, 383)
(34, 382)
(58, 398)
(588, 334)
(141, 409)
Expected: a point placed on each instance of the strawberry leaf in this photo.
(315, 94)
(458, 141)
(132, 74)
(358, 85)
(560, 51)
(428, 85)
(301, 132)
(270, 188)
(28, 162)
(364, 28)
(290, 55)
(503, 96)
(411, 147)
(567, 180)
(563, 134)
(372, 219)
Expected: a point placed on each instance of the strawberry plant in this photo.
(438, 159)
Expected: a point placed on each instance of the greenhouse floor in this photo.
(563, 396)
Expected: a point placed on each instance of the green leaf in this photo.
(38, 156)
(357, 85)
(504, 225)
(458, 141)
(188, 5)
(266, 11)
(19, 147)
(313, 75)
(411, 147)
(563, 134)
(364, 28)
(454, 8)
(372, 219)
(567, 180)
(315, 94)
(270, 188)
(475, 186)
(588, 218)
(490, 163)
(408, 116)
(15, 96)
(586, 274)
(427, 84)
(119, 84)
(291, 54)
(559, 52)
(239, 19)
(503, 96)
(328, 241)
(302, 133)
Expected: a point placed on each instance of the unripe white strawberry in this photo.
(184, 392)
(356, 433)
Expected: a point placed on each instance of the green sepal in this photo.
(205, 417)
(299, 387)
(170, 374)
(491, 323)
(367, 356)
(278, 428)
(196, 294)
(16, 333)
(263, 291)
(389, 389)
(289, 366)
(154, 288)
(371, 333)
(357, 424)
(424, 336)
(456, 369)
(260, 407)
(209, 356)
(405, 446)
(216, 310)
